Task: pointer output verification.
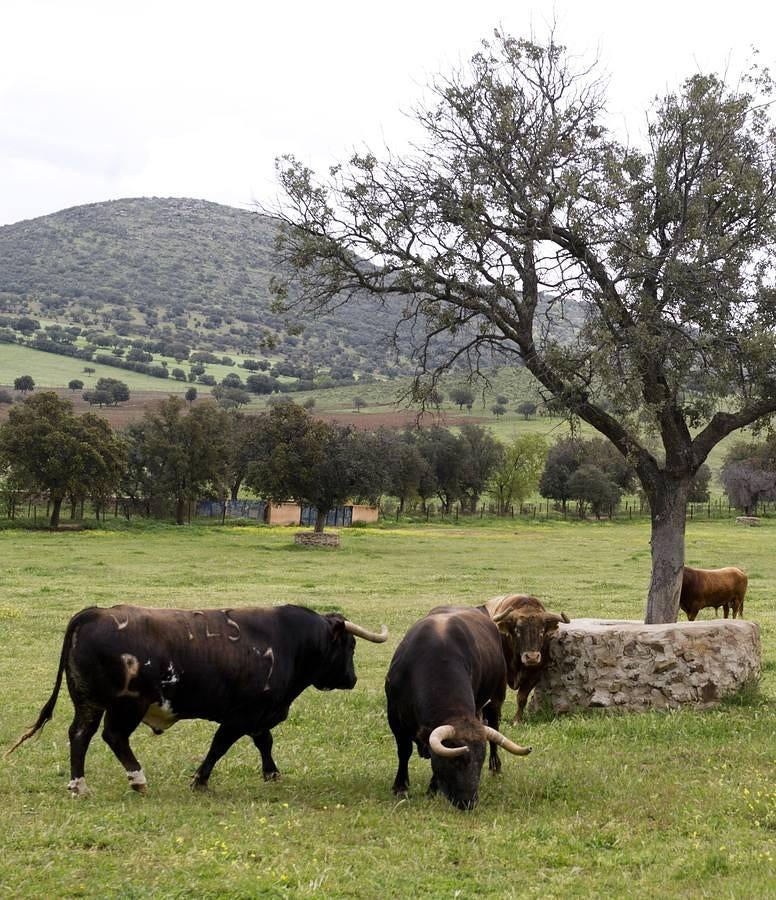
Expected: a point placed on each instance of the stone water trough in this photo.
(626, 665)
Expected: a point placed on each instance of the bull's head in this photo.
(338, 670)
(526, 628)
(457, 768)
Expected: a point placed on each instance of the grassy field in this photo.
(652, 805)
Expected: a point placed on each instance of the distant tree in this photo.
(178, 374)
(405, 467)
(359, 403)
(699, 487)
(527, 409)
(5, 396)
(748, 475)
(182, 453)
(89, 370)
(24, 383)
(304, 459)
(261, 384)
(498, 409)
(462, 397)
(244, 443)
(590, 485)
(308, 403)
(481, 454)
(517, 475)
(563, 459)
(98, 398)
(502, 400)
(232, 380)
(117, 391)
(47, 448)
(191, 394)
(75, 384)
(442, 452)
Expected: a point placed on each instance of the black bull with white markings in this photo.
(241, 668)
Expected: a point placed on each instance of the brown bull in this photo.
(713, 587)
(526, 628)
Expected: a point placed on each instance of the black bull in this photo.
(241, 668)
(447, 675)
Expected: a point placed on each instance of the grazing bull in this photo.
(448, 673)
(241, 668)
(526, 628)
(713, 587)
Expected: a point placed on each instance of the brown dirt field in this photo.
(133, 410)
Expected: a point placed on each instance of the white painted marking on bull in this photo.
(208, 632)
(120, 625)
(132, 667)
(78, 788)
(233, 624)
(160, 717)
(172, 676)
(137, 779)
(268, 653)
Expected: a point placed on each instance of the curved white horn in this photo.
(372, 636)
(503, 741)
(443, 733)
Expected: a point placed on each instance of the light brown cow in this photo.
(713, 587)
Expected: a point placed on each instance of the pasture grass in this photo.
(679, 804)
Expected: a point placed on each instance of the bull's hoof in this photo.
(139, 788)
(271, 776)
(77, 788)
(198, 786)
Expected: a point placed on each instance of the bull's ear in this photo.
(337, 626)
(505, 624)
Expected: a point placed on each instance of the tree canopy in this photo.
(47, 448)
(519, 206)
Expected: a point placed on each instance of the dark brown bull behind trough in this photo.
(713, 587)
(526, 628)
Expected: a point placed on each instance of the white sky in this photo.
(102, 99)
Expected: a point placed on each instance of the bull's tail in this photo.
(48, 710)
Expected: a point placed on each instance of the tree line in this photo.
(177, 455)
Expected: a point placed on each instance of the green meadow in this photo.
(679, 804)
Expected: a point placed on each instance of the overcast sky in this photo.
(103, 99)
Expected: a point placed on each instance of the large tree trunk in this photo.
(56, 506)
(669, 515)
(180, 511)
(320, 520)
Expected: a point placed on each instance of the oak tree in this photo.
(517, 207)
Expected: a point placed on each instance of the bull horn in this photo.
(372, 636)
(503, 741)
(500, 616)
(443, 733)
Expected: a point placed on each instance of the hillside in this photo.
(173, 271)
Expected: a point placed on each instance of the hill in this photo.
(168, 272)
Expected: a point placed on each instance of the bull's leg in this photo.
(492, 714)
(85, 723)
(401, 783)
(119, 725)
(223, 739)
(726, 610)
(527, 684)
(263, 741)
